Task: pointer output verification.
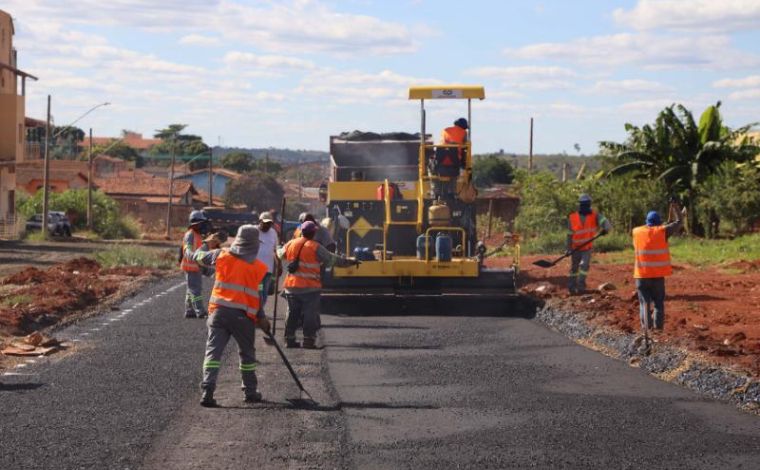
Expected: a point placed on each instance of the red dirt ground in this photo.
(60, 291)
(708, 310)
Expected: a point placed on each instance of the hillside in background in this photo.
(282, 155)
(554, 162)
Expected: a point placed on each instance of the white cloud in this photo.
(199, 40)
(648, 50)
(746, 82)
(247, 59)
(645, 106)
(293, 26)
(353, 86)
(749, 94)
(629, 86)
(692, 15)
(528, 76)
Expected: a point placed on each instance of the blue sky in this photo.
(291, 73)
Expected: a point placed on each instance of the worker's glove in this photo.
(568, 252)
(603, 232)
(262, 322)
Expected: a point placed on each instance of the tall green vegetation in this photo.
(713, 170)
(107, 222)
(681, 153)
(488, 170)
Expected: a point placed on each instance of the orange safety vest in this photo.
(308, 273)
(189, 265)
(650, 245)
(582, 231)
(237, 284)
(454, 135)
(296, 233)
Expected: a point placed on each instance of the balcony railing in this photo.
(33, 151)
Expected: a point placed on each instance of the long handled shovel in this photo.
(542, 263)
(290, 369)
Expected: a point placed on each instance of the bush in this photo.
(488, 170)
(729, 200)
(139, 256)
(546, 203)
(107, 221)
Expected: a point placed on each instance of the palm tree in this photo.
(679, 151)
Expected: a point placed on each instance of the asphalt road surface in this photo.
(393, 392)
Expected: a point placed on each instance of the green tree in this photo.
(119, 149)
(257, 191)
(680, 152)
(239, 161)
(729, 199)
(185, 145)
(107, 221)
(491, 169)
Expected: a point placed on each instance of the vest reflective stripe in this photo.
(188, 264)
(652, 255)
(237, 284)
(582, 231)
(310, 265)
(652, 252)
(308, 274)
(226, 303)
(229, 285)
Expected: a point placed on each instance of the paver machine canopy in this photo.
(415, 241)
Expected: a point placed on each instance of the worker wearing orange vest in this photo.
(652, 266)
(303, 259)
(583, 225)
(191, 242)
(236, 310)
(449, 161)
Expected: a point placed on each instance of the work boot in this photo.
(189, 314)
(253, 397)
(310, 343)
(202, 315)
(292, 343)
(207, 399)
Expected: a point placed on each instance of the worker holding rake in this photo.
(236, 309)
(583, 226)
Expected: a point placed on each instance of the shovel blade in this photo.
(542, 263)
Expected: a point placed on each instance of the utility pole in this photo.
(211, 176)
(46, 175)
(530, 151)
(171, 190)
(89, 184)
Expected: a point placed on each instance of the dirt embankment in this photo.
(33, 299)
(713, 312)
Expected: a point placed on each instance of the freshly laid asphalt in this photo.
(418, 391)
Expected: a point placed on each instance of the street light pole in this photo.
(46, 174)
(211, 177)
(46, 165)
(171, 191)
(89, 184)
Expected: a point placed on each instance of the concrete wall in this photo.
(7, 78)
(11, 116)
